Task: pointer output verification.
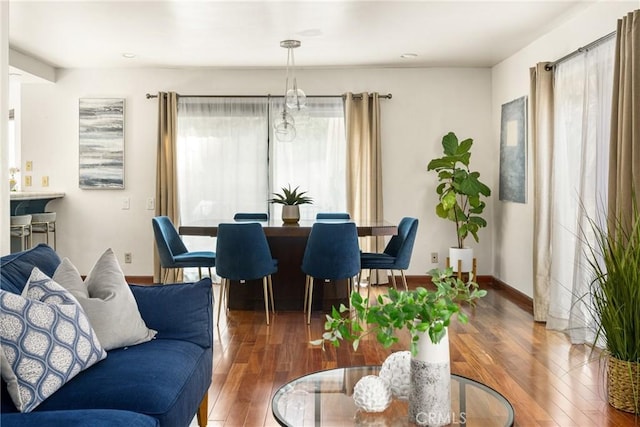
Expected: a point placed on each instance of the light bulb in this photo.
(296, 99)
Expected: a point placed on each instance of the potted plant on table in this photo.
(290, 201)
(426, 315)
(460, 194)
(614, 295)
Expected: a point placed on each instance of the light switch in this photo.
(45, 181)
(28, 166)
(125, 203)
(27, 181)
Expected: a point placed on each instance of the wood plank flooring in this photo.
(548, 381)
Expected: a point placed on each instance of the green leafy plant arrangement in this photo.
(291, 197)
(460, 190)
(614, 294)
(418, 311)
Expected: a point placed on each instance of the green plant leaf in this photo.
(450, 144)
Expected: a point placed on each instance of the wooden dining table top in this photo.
(276, 228)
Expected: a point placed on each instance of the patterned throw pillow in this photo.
(46, 340)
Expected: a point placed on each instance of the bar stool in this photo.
(44, 223)
(20, 226)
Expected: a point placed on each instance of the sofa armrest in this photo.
(181, 311)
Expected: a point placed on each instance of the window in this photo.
(229, 161)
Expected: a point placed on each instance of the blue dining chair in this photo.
(172, 251)
(333, 215)
(243, 253)
(254, 216)
(397, 253)
(332, 253)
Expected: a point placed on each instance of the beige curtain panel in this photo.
(166, 173)
(624, 155)
(364, 161)
(542, 112)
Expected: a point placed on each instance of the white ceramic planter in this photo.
(464, 254)
(290, 214)
(430, 393)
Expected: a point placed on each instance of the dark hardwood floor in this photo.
(548, 381)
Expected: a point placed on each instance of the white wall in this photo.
(426, 104)
(513, 230)
(4, 112)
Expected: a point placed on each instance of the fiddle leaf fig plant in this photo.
(419, 311)
(460, 190)
(291, 197)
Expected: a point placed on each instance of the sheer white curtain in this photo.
(222, 157)
(582, 99)
(316, 160)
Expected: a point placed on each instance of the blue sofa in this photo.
(163, 382)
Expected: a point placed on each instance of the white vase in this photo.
(463, 254)
(290, 214)
(430, 393)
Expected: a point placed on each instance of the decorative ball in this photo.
(372, 394)
(396, 370)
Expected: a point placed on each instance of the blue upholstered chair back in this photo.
(255, 216)
(168, 241)
(333, 215)
(401, 245)
(332, 251)
(242, 252)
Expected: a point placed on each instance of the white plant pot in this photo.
(464, 254)
(290, 214)
(430, 392)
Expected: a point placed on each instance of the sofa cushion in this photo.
(46, 340)
(180, 311)
(162, 378)
(107, 299)
(85, 418)
(16, 268)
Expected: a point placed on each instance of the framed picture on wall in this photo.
(513, 151)
(101, 143)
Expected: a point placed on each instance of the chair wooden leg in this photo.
(199, 273)
(203, 410)
(270, 281)
(404, 280)
(306, 293)
(222, 285)
(310, 299)
(266, 297)
(393, 280)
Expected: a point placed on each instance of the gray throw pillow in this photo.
(107, 300)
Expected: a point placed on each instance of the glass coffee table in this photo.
(325, 398)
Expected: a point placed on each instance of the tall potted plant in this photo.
(426, 315)
(290, 201)
(614, 294)
(460, 194)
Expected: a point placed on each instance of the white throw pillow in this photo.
(46, 340)
(109, 303)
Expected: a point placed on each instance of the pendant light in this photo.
(294, 97)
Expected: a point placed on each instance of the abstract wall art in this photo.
(101, 140)
(513, 151)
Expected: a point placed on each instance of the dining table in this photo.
(287, 243)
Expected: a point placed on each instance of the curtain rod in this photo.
(149, 96)
(594, 43)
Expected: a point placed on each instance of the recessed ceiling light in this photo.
(128, 55)
(409, 55)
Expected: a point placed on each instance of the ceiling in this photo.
(95, 34)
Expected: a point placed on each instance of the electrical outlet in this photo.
(151, 203)
(45, 181)
(27, 181)
(434, 257)
(127, 258)
(28, 166)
